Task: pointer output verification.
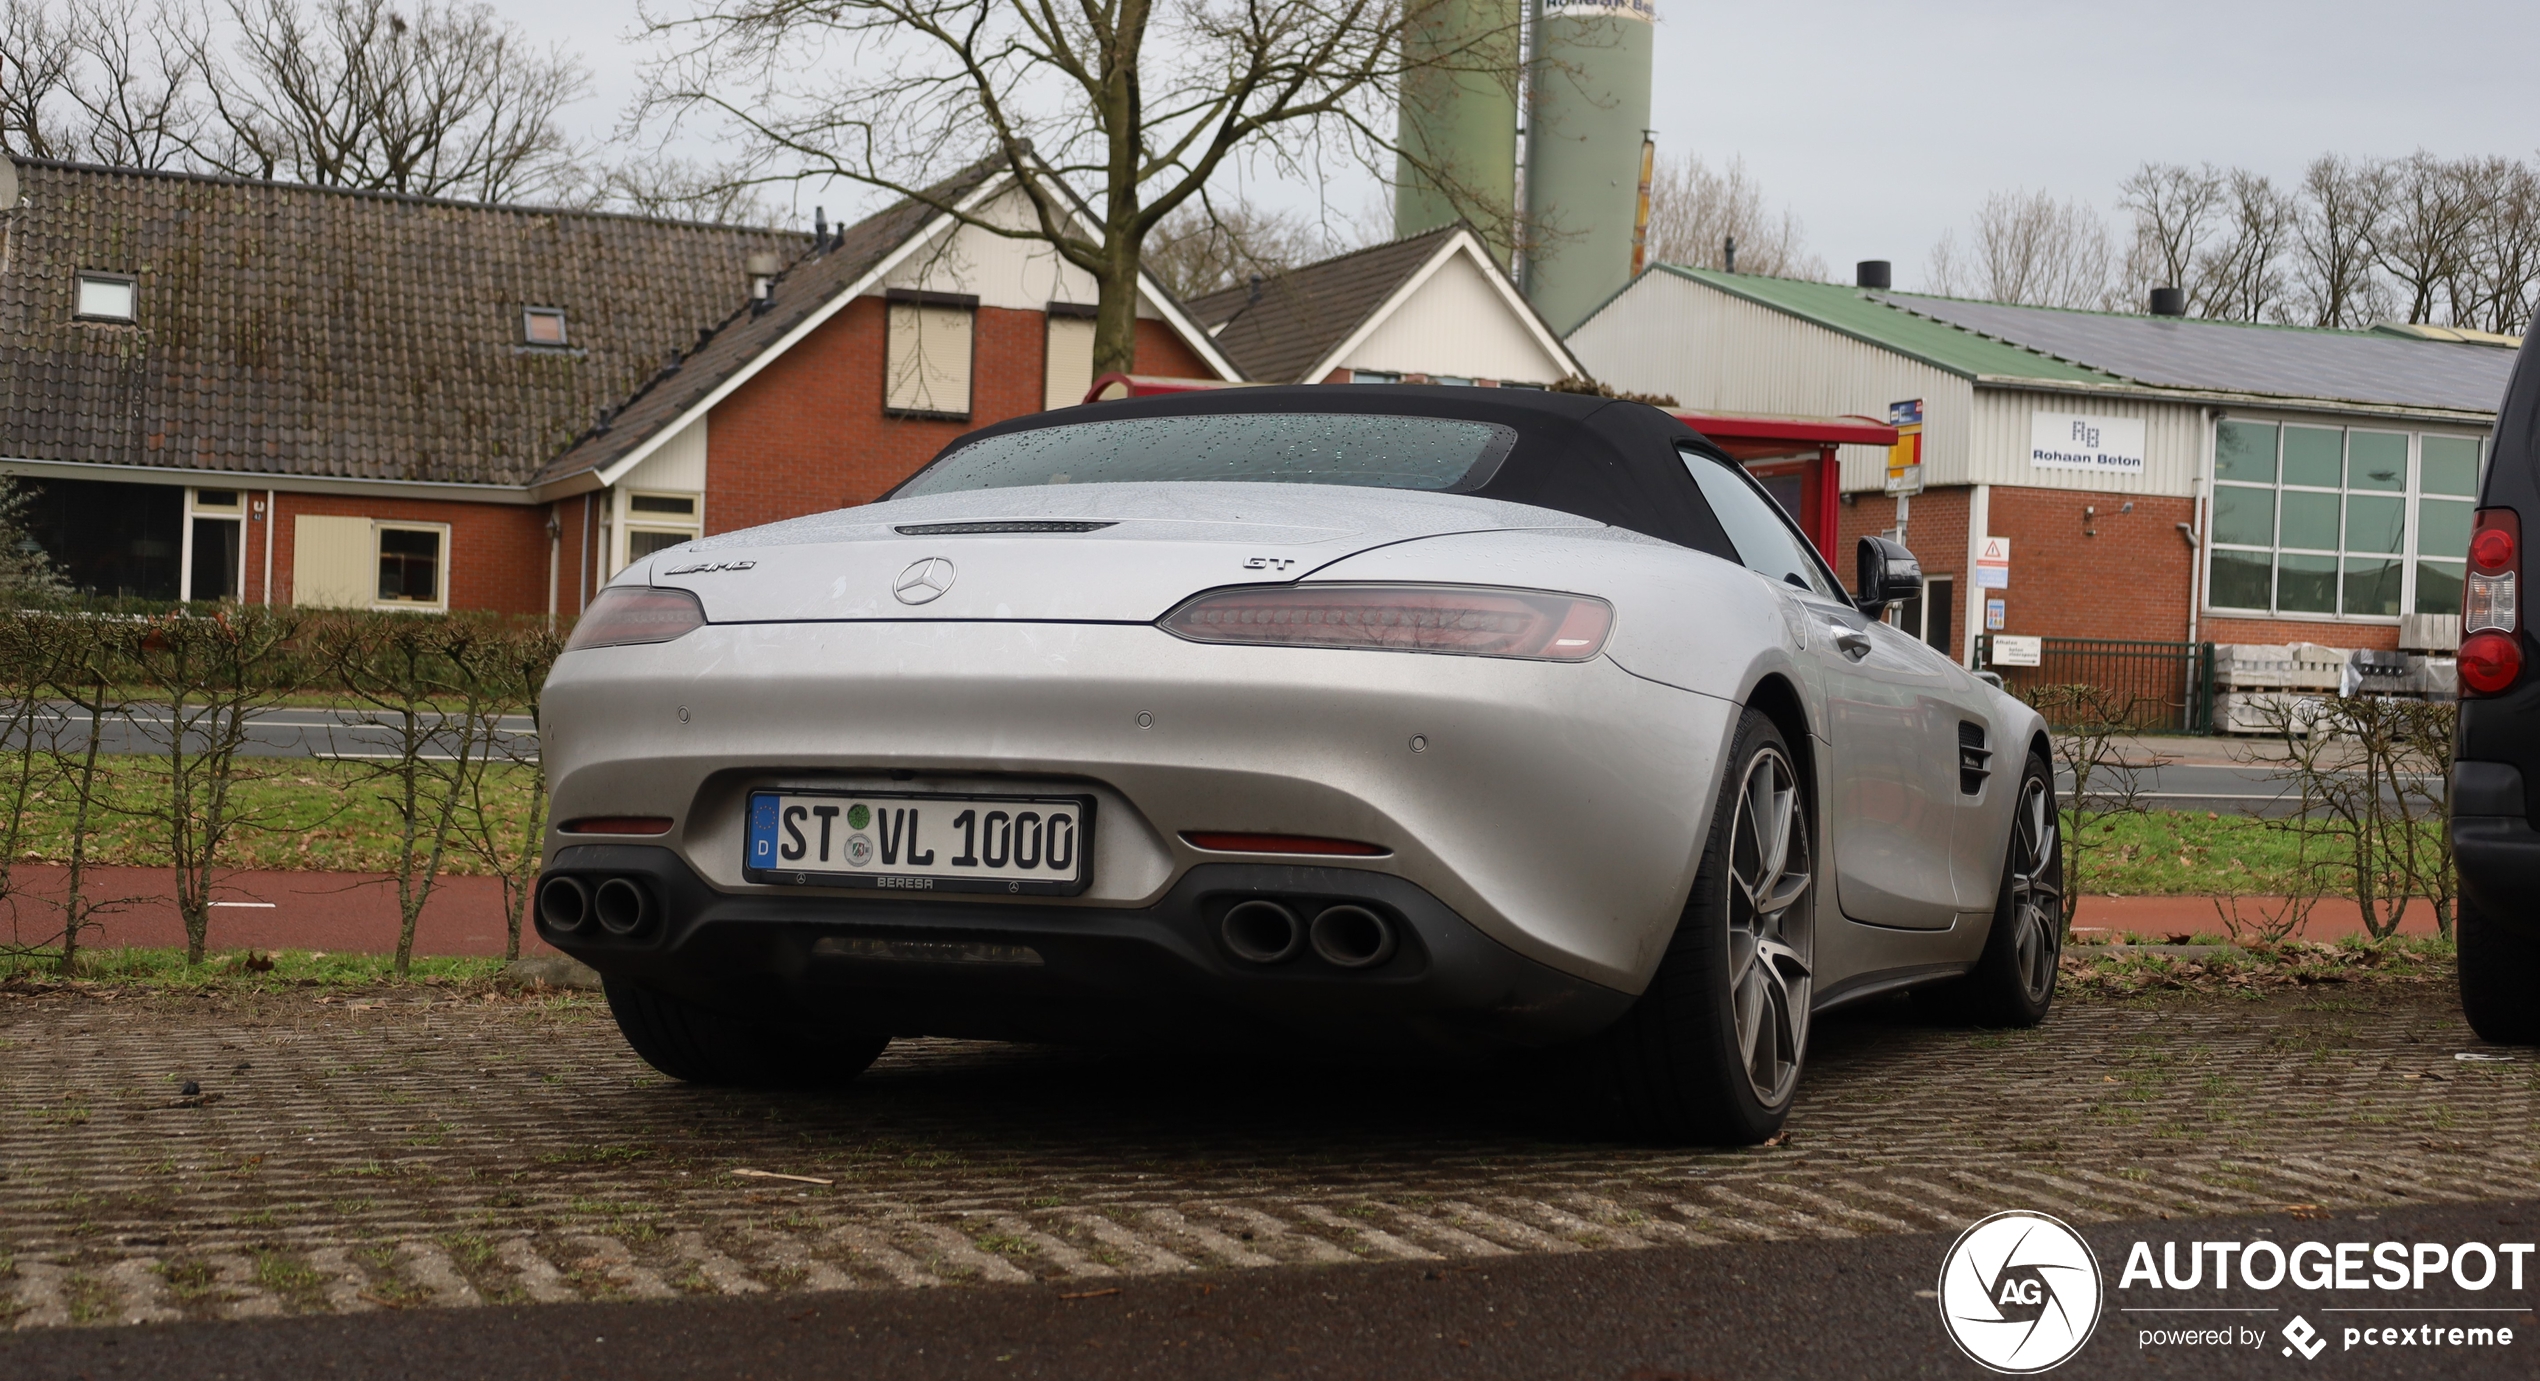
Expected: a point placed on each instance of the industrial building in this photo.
(2146, 479)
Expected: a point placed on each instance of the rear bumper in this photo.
(1019, 971)
(2498, 857)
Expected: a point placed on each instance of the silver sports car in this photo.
(1443, 719)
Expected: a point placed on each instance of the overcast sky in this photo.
(1882, 125)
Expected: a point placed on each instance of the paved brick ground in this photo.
(456, 1152)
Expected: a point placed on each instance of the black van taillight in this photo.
(2491, 612)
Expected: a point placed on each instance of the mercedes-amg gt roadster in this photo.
(1452, 720)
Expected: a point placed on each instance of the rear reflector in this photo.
(1471, 620)
(617, 824)
(1225, 843)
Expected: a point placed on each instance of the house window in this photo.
(658, 522)
(2339, 522)
(542, 325)
(360, 563)
(1373, 376)
(409, 565)
(215, 544)
(107, 297)
(926, 370)
(1067, 365)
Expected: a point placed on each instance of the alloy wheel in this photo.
(1770, 935)
(2037, 894)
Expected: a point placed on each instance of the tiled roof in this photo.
(1305, 313)
(2238, 357)
(808, 285)
(296, 331)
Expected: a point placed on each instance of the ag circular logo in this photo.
(923, 580)
(2019, 1292)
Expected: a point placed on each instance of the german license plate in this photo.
(921, 842)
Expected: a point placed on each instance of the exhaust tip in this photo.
(1262, 932)
(621, 906)
(1353, 937)
(564, 904)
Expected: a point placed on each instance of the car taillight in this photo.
(624, 614)
(1471, 620)
(2491, 613)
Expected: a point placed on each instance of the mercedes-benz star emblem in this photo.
(924, 580)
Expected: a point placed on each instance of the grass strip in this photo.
(240, 971)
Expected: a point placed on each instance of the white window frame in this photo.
(79, 294)
(194, 508)
(564, 328)
(2409, 495)
(440, 603)
(626, 521)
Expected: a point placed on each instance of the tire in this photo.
(2013, 982)
(2500, 978)
(696, 1045)
(1711, 1052)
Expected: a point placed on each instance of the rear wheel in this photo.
(2013, 982)
(1712, 1051)
(2500, 978)
(701, 1046)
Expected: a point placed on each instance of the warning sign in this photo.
(1993, 564)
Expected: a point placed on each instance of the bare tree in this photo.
(2494, 291)
(2427, 234)
(39, 56)
(2030, 249)
(2174, 208)
(1210, 243)
(1693, 212)
(2333, 280)
(136, 107)
(445, 100)
(2240, 274)
(1139, 105)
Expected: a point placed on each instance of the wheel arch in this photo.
(1774, 697)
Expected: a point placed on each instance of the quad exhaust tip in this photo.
(1352, 937)
(1262, 932)
(564, 904)
(622, 906)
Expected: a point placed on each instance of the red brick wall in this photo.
(497, 558)
(807, 433)
(2133, 579)
(1161, 351)
(1935, 530)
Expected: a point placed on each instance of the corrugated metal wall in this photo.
(1998, 445)
(1670, 335)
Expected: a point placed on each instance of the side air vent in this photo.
(1006, 525)
(1974, 759)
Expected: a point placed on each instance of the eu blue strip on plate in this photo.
(762, 831)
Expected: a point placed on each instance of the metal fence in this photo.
(2170, 684)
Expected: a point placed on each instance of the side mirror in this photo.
(1887, 573)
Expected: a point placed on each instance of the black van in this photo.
(2496, 754)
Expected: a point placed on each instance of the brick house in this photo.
(283, 394)
(2155, 478)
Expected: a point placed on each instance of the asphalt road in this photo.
(1857, 1307)
(281, 733)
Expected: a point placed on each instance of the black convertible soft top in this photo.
(1599, 458)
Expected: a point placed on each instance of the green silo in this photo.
(1458, 122)
(1590, 111)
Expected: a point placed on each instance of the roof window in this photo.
(542, 325)
(106, 296)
